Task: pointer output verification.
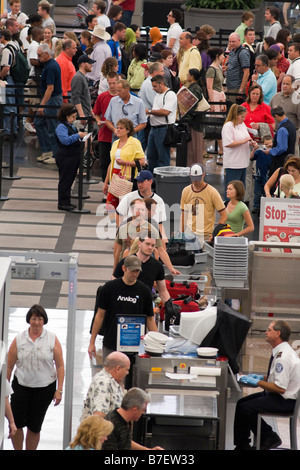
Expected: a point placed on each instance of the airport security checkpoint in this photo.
(191, 367)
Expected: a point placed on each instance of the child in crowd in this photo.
(263, 162)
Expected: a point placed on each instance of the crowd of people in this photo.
(106, 75)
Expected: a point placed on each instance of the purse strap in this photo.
(164, 104)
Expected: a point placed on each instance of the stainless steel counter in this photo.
(187, 400)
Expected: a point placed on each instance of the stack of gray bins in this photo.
(230, 261)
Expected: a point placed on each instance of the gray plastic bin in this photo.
(170, 181)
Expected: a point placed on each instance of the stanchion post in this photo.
(2, 198)
(88, 179)
(2, 164)
(11, 150)
(80, 184)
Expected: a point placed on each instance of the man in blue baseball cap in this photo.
(144, 175)
(144, 183)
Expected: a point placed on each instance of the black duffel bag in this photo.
(179, 255)
(178, 133)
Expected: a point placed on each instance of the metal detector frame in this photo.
(35, 265)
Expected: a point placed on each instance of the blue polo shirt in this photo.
(268, 83)
(133, 110)
(51, 75)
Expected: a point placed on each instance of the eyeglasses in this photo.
(124, 111)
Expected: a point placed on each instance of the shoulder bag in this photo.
(178, 133)
(119, 186)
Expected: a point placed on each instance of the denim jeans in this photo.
(45, 128)
(10, 107)
(158, 154)
(127, 17)
(235, 174)
(258, 192)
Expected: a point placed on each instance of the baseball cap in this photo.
(133, 263)
(197, 172)
(85, 58)
(144, 175)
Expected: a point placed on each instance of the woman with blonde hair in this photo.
(291, 167)
(287, 187)
(91, 433)
(49, 38)
(236, 145)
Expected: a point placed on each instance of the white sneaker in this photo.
(44, 156)
(49, 160)
(29, 127)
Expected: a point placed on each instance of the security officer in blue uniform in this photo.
(68, 154)
(280, 390)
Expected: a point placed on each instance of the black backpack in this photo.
(252, 59)
(19, 71)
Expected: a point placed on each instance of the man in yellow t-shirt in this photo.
(198, 204)
(190, 59)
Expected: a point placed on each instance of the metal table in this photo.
(150, 376)
(181, 420)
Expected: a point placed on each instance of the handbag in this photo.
(203, 105)
(178, 133)
(119, 186)
(213, 127)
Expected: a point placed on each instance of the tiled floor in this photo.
(29, 220)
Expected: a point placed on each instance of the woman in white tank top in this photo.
(36, 355)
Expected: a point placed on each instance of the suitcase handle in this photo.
(184, 283)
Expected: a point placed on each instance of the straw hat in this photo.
(100, 33)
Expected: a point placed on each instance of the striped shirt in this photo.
(239, 59)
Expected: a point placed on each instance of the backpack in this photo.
(19, 72)
(202, 81)
(125, 62)
(252, 59)
(175, 83)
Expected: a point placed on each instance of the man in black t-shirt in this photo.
(152, 269)
(122, 296)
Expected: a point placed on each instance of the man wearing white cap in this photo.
(199, 203)
(101, 51)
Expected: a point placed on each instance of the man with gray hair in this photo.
(52, 96)
(147, 95)
(106, 390)
(280, 390)
(133, 406)
(265, 77)
(291, 108)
